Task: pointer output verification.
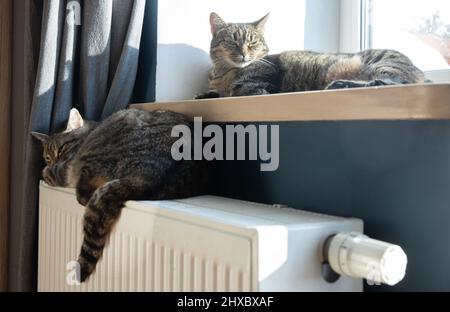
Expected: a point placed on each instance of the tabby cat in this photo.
(127, 156)
(242, 65)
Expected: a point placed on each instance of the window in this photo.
(419, 29)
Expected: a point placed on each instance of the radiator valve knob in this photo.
(357, 255)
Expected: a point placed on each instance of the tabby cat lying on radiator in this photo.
(242, 65)
(127, 156)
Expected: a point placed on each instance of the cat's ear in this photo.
(40, 136)
(259, 24)
(75, 120)
(216, 22)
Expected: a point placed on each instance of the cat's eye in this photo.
(230, 44)
(47, 158)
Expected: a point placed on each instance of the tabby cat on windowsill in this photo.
(242, 65)
(127, 156)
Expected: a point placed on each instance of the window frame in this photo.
(355, 34)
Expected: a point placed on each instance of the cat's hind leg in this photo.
(346, 84)
(381, 82)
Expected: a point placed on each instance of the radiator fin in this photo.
(131, 261)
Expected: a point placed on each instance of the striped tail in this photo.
(102, 211)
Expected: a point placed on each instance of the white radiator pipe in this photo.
(359, 256)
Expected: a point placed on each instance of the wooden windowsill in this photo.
(410, 102)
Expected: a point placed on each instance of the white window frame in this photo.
(354, 36)
(350, 26)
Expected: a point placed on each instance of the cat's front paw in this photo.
(83, 196)
(82, 200)
(207, 95)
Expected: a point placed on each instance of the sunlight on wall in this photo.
(187, 22)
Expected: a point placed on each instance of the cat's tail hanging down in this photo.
(102, 211)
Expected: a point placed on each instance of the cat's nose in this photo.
(244, 57)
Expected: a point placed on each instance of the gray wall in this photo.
(395, 175)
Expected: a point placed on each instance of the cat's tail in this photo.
(102, 211)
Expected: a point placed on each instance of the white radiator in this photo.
(204, 243)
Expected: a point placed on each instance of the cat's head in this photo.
(59, 148)
(237, 44)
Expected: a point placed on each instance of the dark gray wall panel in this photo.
(395, 175)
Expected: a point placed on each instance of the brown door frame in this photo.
(5, 128)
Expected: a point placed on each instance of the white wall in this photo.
(184, 35)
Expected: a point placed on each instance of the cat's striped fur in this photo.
(127, 156)
(242, 65)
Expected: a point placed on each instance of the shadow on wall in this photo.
(181, 72)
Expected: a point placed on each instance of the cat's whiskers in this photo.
(264, 61)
